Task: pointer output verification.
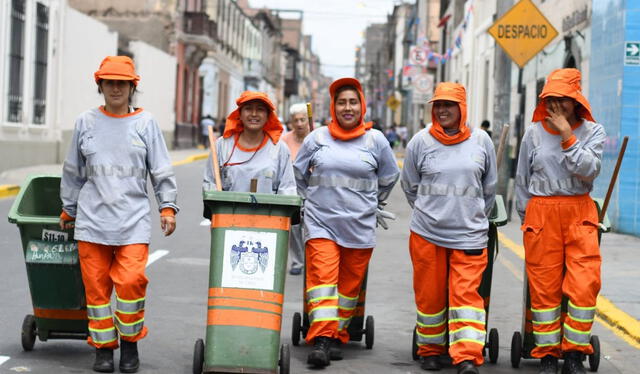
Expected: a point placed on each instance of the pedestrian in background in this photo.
(344, 171)
(559, 159)
(485, 125)
(206, 122)
(104, 194)
(300, 128)
(392, 136)
(249, 149)
(449, 167)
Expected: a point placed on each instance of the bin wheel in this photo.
(198, 357)
(516, 349)
(285, 359)
(494, 345)
(594, 358)
(369, 331)
(414, 345)
(28, 332)
(296, 328)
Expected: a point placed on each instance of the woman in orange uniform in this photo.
(104, 194)
(344, 171)
(449, 178)
(559, 159)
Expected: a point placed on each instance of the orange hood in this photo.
(120, 68)
(273, 127)
(450, 92)
(334, 127)
(563, 83)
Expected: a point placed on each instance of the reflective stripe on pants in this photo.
(436, 269)
(328, 264)
(562, 257)
(103, 268)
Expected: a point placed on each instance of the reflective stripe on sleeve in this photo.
(99, 312)
(103, 336)
(324, 313)
(467, 314)
(576, 337)
(545, 316)
(467, 334)
(129, 306)
(386, 181)
(129, 329)
(344, 182)
(544, 339)
(322, 292)
(346, 302)
(438, 339)
(431, 320)
(448, 190)
(581, 314)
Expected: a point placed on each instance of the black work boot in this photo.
(129, 361)
(467, 367)
(548, 365)
(335, 352)
(573, 363)
(104, 360)
(431, 363)
(320, 355)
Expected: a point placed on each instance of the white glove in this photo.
(381, 215)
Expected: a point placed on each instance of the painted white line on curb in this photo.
(205, 222)
(156, 255)
(4, 359)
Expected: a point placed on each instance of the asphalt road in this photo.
(177, 297)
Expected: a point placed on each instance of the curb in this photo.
(622, 323)
(8, 190)
(190, 159)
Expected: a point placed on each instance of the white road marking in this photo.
(4, 359)
(156, 255)
(205, 222)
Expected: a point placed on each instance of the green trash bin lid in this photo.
(251, 198)
(38, 201)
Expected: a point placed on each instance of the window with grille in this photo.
(41, 59)
(16, 61)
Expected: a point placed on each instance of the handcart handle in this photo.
(614, 177)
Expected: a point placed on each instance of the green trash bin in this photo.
(51, 257)
(249, 248)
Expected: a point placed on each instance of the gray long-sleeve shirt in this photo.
(104, 179)
(451, 189)
(342, 183)
(545, 169)
(270, 165)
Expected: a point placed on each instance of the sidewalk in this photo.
(10, 180)
(619, 300)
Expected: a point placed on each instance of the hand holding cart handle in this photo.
(614, 177)
(214, 155)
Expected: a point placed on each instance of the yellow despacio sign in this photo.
(522, 32)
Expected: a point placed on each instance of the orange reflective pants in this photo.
(104, 266)
(442, 275)
(562, 257)
(334, 277)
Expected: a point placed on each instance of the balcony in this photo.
(198, 29)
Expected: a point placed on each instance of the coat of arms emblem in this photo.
(249, 256)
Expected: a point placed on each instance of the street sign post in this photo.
(393, 103)
(418, 56)
(522, 32)
(632, 53)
